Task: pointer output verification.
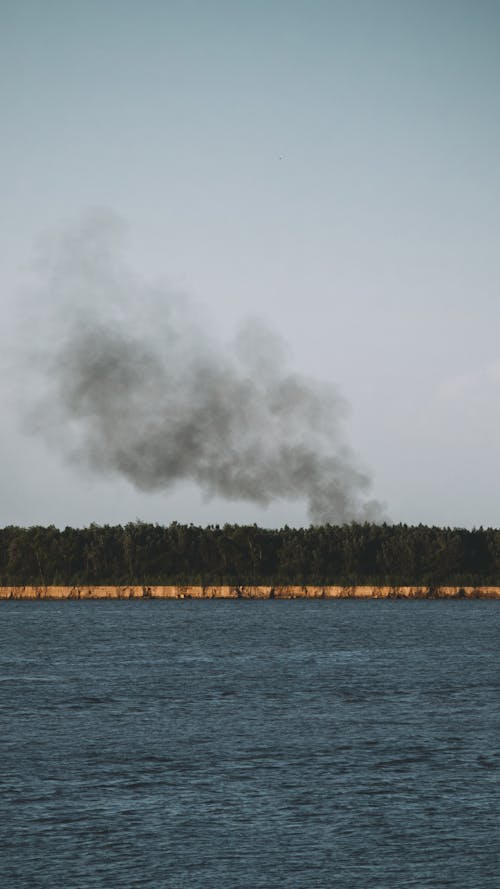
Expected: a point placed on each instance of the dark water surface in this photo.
(218, 745)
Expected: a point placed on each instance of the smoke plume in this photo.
(134, 385)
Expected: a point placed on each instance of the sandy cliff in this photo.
(246, 592)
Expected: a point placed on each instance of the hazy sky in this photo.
(330, 167)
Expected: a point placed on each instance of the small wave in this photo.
(29, 678)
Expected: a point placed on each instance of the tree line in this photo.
(140, 553)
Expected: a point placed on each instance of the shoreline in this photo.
(85, 592)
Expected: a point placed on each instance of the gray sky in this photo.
(330, 167)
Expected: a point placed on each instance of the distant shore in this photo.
(249, 592)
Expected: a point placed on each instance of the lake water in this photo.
(222, 745)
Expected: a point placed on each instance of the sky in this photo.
(329, 168)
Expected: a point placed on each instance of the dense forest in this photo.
(141, 553)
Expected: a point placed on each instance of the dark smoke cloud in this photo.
(136, 386)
